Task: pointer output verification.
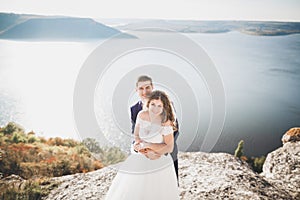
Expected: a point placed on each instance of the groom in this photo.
(144, 87)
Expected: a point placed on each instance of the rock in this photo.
(282, 168)
(13, 178)
(201, 176)
(222, 176)
(292, 135)
(13, 181)
(91, 185)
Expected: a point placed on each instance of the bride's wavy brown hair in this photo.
(167, 113)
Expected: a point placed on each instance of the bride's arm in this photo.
(162, 148)
(136, 132)
(137, 138)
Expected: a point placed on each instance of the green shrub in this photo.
(81, 149)
(70, 143)
(239, 152)
(258, 163)
(11, 127)
(255, 162)
(19, 138)
(32, 139)
(92, 145)
(111, 155)
(107, 155)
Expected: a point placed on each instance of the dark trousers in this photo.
(176, 170)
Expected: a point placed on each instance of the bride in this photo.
(141, 178)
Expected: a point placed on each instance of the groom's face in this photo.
(144, 89)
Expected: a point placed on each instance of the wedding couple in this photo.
(151, 171)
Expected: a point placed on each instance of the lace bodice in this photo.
(152, 132)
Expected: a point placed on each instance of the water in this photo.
(36, 84)
(261, 77)
(260, 74)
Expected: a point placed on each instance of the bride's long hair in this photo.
(167, 113)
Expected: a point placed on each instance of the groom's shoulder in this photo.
(135, 105)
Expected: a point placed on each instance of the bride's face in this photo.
(156, 106)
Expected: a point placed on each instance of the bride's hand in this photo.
(152, 155)
(137, 145)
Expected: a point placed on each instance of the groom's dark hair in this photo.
(143, 78)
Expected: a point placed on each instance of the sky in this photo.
(261, 10)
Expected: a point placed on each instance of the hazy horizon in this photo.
(143, 19)
(268, 10)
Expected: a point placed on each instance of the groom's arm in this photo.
(162, 148)
(132, 120)
(175, 133)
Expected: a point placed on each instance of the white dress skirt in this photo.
(140, 178)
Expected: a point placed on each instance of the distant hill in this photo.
(14, 26)
(197, 26)
(38, 27)
(9, 20)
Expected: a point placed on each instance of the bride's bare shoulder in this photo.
(144, 114)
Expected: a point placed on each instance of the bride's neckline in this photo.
(150, 122)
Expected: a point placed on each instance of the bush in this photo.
(27, 189)
(111, 155)
(32, 139)
(258, 163)
(19, 138)
(81, 149)
(10, 128)
(29, 156)
(42, 140)
(239, 152)
(107, 155)
(3, 139)
(70, 143)
(10, 161)
(92, 145)
(55, 141)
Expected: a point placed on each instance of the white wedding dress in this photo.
(140, 178)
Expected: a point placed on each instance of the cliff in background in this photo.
(35, 27)
(199, 26)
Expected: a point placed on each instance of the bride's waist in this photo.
(152, 140)
(163, 156)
